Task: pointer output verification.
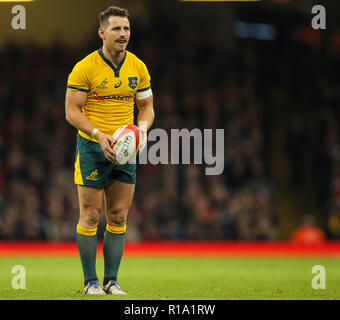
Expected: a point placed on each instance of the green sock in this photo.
(113, 247)
(87, 246)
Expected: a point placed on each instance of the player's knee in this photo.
(91, 216)
(117, 216)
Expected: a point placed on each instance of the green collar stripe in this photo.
(84, 90)
(116, 70)
(141, 90)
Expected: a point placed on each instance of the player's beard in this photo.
(119, 48)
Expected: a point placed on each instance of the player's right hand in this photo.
(106, 142)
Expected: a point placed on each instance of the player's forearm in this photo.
(144, 121)
(78, 120)
(146, 113)
(146, 117)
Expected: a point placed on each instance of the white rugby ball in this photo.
(128, 139)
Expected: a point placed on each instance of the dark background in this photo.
(257, 70)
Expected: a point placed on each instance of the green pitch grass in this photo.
(177, 278)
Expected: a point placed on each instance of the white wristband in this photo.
(93, 133)
(143, 125)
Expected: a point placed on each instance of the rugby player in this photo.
(102, 90)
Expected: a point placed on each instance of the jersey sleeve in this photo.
(78, 78)
(145, 78)
(144, 86)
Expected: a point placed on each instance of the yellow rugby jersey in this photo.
(110, 91)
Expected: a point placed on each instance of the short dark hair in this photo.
(112, 11)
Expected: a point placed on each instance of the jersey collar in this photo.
(115, 70)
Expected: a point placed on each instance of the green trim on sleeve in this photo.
(141, 90)
(83, 90)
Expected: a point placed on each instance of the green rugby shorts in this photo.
(92, 169)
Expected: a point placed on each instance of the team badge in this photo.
(133, 82)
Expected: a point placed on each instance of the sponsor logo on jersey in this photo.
(117, 85)
(111, 97)
(97, 97)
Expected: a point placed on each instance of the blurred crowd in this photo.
(312, 141)
(201, 85)
(185, 203)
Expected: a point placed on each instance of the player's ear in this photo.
(101, 33)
